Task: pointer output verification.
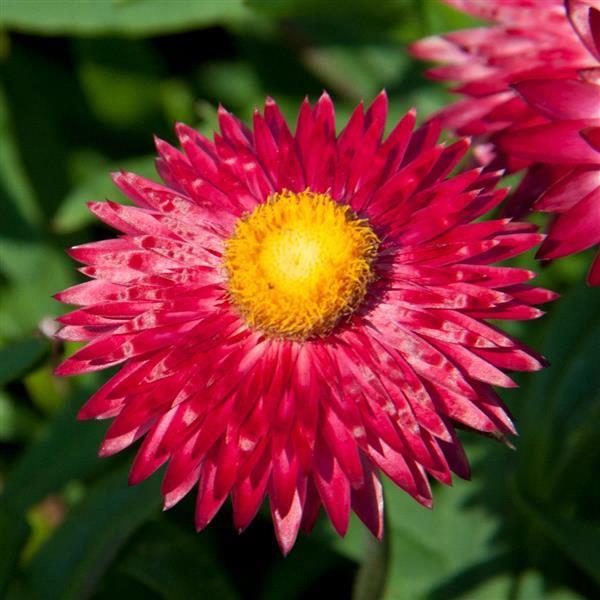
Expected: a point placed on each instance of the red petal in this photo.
(333, 487)
(367, 500)
(182, 474)
(562, 99)
(248, 494)
(585, 18)
(593, 277)
(209, 501)
(574, 230)
(557, 142)
(592, 136)
(287, 524)
(569, 190)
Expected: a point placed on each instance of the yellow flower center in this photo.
(299, 263)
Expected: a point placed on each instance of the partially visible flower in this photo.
(530, 39)
(572, 140)
(295, 313)
(533, 96)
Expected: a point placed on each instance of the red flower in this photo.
(532, 86)
(531, 39)
(572, 140)
(295, 313)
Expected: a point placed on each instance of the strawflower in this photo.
(569, 143)
(297, 313)
(529, 39)
(532, 91)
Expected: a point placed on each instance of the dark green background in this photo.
(85, 84)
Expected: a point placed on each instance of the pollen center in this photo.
(299, 263)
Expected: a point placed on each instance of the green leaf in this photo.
(531, 586)
(73, 560)
(136, 17)
(116, 585)
(73, 214)
(573, 314)
(42, 122)
(20, 213)
(551, 499)
(18, 358)
(235, 84)
(131, 69)
(576, 538)
(352, 545)
(46, 391)
(176, 564)
(448, 548)
(13, 535)
(177, 101)
(357, 72)
(16, 421)
(33, 272)
(560, 402)
(67, 450)
(383, 12)
(438, 17)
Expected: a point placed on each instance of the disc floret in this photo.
(299, 263)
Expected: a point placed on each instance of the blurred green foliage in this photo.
(84, 85)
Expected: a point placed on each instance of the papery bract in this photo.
(311, 417)
(531, 86)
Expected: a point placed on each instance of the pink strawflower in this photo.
(569, 143)
(530, 39)
(533, 98)
(296, 313)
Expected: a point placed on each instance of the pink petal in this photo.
(249, 492)
(562, 99)
(333, 487)
(287, 524)
(312, 507)
(367, 500)
(574, 230)
(557, 142)
(569, 190)
(593, 277)
(182, 474)
(585, 18)
(209, 501)
(592, 136)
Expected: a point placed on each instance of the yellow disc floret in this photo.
(299, 263)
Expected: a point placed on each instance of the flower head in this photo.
(530, 39)
(532, 86)
(296, 313)
(570, 142)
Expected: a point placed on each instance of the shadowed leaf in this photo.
(67, 450)
(18, 358)
(176, 564)
(93, 17)
(70, 564)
